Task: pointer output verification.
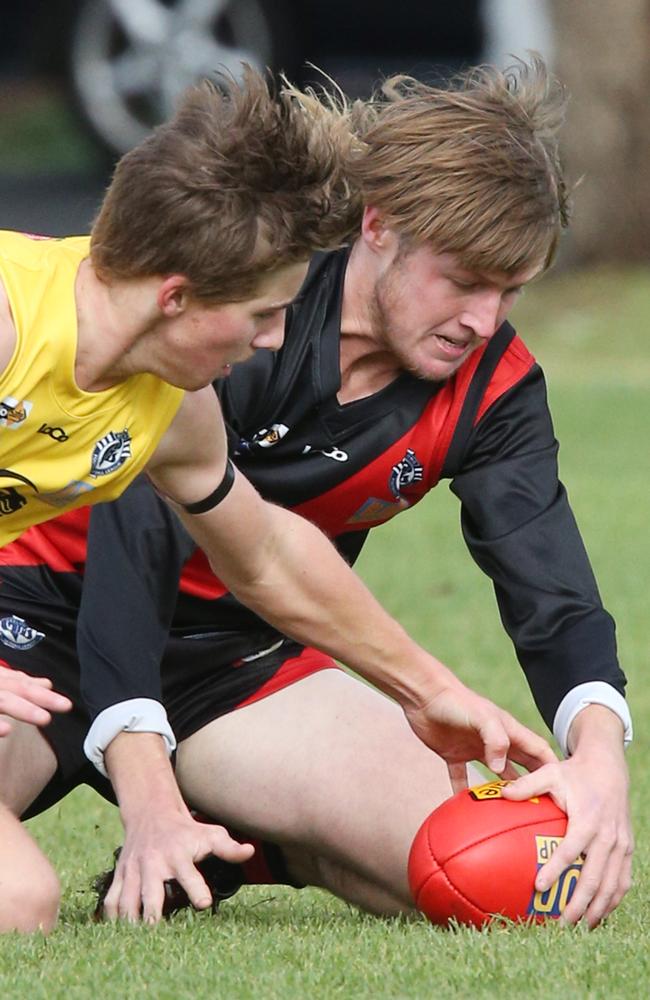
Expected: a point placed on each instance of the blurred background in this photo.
(82, 81)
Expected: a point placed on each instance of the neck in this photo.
(367, 365)
(110, 320)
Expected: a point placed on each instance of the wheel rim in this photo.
(130, 59)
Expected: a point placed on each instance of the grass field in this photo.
(591, 333)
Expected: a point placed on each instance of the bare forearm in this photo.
(291, 575)
(302, 586)
(140, 772)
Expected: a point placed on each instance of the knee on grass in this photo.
(29, 903)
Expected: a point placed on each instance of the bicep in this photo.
(238, 534)
(191, 459)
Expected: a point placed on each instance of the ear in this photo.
(173, 295)
(374, 231)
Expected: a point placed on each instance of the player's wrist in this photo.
(418, 680)
(136, 715)
(595, 726)
(142, 776)
(582, 697)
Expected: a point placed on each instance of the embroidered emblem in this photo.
(110, 453)
(15, 632)
(405, 473)
(267, 437)
(14, 412)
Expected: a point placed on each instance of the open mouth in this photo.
(454, 348)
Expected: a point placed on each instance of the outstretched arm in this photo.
(521, 531)
(135, 552)
(287, 571)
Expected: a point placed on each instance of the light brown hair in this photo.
(238, 183)
(472, 168)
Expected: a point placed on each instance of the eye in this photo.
(465, 285)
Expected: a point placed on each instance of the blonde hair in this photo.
(472, 169)
(238, 183)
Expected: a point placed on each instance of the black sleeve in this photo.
(136, 550)
(519, 528)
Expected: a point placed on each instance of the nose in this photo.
(272, 336)
(483, 314)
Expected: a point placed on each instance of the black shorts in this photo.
(202, 679)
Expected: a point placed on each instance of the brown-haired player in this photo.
(390, 348)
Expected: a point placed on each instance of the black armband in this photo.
(222, 490)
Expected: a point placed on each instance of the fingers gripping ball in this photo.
(477, 856)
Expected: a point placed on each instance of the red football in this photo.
(477, 855)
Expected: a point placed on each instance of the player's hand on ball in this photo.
(475, 857)
(28, 699)
(461, 725)
(592, 788)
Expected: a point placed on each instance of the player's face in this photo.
(431, 312)
(205, 341)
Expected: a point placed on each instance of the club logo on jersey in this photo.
(552, 902)
(56, 433)
(405, 473)
(67, 494)
(266, 437)
(10, 500)
(14, 412)
(15, 632)
(110, 453)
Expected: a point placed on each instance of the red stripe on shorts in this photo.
(309, 662)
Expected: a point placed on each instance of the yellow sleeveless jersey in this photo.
(61, 447)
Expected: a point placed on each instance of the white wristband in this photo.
(591, 693)
(138, 715)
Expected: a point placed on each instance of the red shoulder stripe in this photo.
(515, 363)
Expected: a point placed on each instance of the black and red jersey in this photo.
(348, 468)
